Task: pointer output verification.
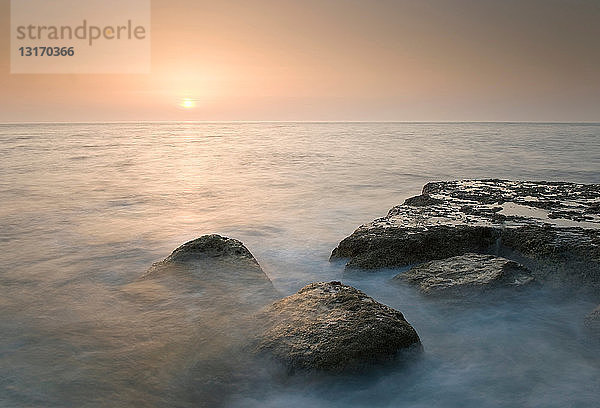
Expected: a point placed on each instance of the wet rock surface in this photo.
(333, 327)
(210, 249)
(219, 266)
(467, 273)
(552, 224)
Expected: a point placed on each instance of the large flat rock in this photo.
(467, 273)
(554, 224)
(333, 327)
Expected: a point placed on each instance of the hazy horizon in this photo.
(342, 61)
(133, 121)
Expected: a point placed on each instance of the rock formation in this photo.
(333, 327)
(219, 267)
(201, 300)
(552, 227)
(466, 273)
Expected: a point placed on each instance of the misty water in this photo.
(87, 208)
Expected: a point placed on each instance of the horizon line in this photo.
(297, 121)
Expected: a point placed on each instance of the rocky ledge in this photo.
(468, 272)
(552, 227)
(333, 327)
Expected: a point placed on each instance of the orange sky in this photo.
(405, 60)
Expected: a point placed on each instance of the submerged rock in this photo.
(556, 226)
(592, 321)
(333, 327)
(466, 272)
(217, 267)
(210, 249)
(201, 300)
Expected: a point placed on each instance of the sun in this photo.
(187, 103)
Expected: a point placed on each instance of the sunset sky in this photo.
(404, 60)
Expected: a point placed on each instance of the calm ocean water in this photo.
(86, 209)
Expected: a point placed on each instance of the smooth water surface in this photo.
(87, 208)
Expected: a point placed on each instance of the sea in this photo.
(86, 208)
